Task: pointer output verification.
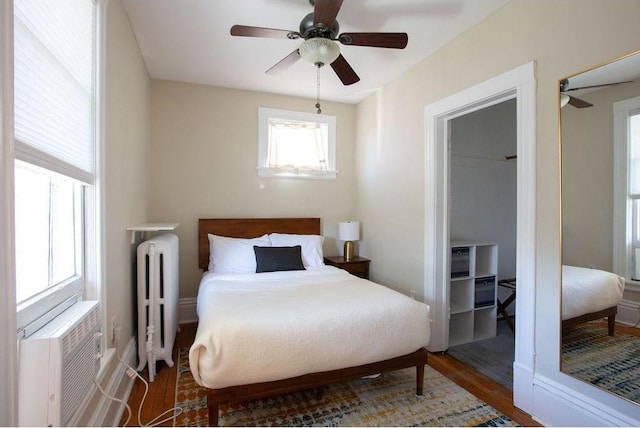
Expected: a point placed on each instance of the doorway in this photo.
(482, 201)
(519, 85)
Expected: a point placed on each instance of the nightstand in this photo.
(358, 266)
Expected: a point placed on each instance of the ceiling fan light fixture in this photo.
(564, 100)
(319, 51)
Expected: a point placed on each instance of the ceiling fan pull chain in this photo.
(319, 110)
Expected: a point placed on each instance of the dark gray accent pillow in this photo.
(272, 259)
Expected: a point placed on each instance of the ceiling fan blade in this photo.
(284, 63)
(578, 103)
(344, 71)
(378, 40)
(325, 11)
(598, 86)
(247, 31)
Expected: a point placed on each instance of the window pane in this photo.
(297, 145)
(63, 252)
(635, 240)
(634, 149)
(32, 232)
(635, 226)
(47, 226)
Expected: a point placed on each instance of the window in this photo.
(48, 230)
(634, 190)
(54, 60)
(627, 189)
(294, 144)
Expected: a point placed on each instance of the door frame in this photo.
(520, 84)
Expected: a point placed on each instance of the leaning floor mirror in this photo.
(600, 154)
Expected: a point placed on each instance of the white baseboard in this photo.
(628, 312)
(556, 404)
(187, 312)
(119, 385)
(523, 387)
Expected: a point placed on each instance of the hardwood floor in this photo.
(162, 390)
(481, 386)
(161, 393)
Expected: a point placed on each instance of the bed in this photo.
(590, 294)
(290, 329)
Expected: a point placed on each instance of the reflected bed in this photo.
(590, 294)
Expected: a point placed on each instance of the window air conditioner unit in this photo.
(58, 364)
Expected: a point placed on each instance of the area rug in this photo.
(611, 363)
(388, 400)
(492, 357)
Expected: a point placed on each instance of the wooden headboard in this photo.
(249, 228)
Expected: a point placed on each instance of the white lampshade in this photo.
(319, 51)
(564, 99)
(349, 231)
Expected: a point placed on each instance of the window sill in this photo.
(269, 173)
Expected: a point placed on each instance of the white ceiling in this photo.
(621, 70)
(189, 41)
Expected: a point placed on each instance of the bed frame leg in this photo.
(213, 412)
(611, 320)
(419, 379)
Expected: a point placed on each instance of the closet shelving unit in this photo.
(472, 291)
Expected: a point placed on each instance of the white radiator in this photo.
(157, 300)
(58, 364)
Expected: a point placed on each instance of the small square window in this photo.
(296, 145)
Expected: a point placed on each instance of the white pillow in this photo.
(311, 246)
(234, 255)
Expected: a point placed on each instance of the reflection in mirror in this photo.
(600, 150)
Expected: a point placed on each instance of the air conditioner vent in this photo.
(74, 378)
(78, 333)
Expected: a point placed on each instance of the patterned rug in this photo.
(611, 363)
(388, 400)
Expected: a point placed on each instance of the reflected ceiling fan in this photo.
(577, 102)
(320, 31)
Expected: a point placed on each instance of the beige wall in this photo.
(204, 155)
(390, 142)
(203, 147)
(125, 163)
(587, 178)
(126, 150)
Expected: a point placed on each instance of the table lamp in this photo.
(349, 231)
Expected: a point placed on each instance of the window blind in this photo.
(53, 55)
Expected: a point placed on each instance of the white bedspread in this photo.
(589, 290)
(271, 326)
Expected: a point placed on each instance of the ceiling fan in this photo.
(320, 31)
(577, 102)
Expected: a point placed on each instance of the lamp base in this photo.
(349, 250)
